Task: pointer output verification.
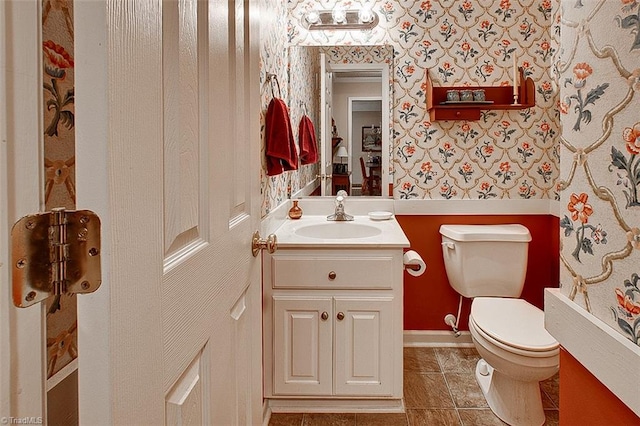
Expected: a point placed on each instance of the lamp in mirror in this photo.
(341, 168)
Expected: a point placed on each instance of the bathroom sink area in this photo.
(337, 230)
(337, 276)
(317, 231)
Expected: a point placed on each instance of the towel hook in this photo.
(303, 105)
(270, 78)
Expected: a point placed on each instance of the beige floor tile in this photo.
(552, 417)
(325, 419)
(286, 419)
(551, 387)
(426, 391)
(479, 417)
(465, 390)
(433, 417)
(439, 389)
(457, 360)
(381, 419)
(547, 402)
(420, 360)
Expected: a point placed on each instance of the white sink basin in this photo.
(337, 230)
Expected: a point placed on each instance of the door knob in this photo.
(324, 316)
(340, 316)
(257, 243)
(324, 177)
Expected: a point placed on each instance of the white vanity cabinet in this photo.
(333, 329)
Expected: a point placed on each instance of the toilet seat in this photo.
(514, 323)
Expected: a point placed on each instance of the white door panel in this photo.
(173, 174)
(326, 115)
(22, 353)
(302, 355)
(363, 346)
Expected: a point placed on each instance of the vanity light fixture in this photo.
(340, 19)
(365, 15)
(313, 16)
(339, 15)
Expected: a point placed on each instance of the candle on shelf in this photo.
(515, 80)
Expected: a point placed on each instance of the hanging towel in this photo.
(307, 139)
(280, 147)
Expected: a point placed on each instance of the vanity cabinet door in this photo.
(363, 346)
(302, 345)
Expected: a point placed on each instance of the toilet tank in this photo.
(486, 260)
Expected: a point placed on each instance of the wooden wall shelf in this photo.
(502, 97)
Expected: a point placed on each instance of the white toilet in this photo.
(488, 263)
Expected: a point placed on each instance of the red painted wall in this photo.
(584, 400)
(428, 298)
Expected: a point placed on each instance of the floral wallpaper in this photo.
(586, 70)
(504, 155)
(276, 61)
(304, 98)
(599, 79)
(59, 160)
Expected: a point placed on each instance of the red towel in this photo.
(307, 139)
(280, 147)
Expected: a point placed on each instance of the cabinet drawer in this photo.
(454, 114)
(360, 271)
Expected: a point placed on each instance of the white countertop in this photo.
(391, 234)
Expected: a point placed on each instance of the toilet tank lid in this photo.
(509, 232)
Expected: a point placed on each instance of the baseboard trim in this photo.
(266, 412)
(312, 405)
(436, 338)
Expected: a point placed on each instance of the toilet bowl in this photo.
(517, 353)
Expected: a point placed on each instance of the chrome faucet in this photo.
(339, 215)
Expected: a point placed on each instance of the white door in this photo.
(326, 114)
(167, 155)
(22, 355)
(168, 143)
(302, 346)
(364, 346)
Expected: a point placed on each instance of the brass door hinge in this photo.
(54, 253)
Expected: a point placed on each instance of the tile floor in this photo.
(439, 389)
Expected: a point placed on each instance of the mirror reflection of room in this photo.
(357, 113)
(344, 89)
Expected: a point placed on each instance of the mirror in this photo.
(352, 111)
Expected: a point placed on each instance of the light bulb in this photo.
(313, 16)
(365, 15)
(339, 15)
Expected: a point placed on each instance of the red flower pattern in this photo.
(631, 136)
(625, 302)
(57, 55)
(579, 207)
